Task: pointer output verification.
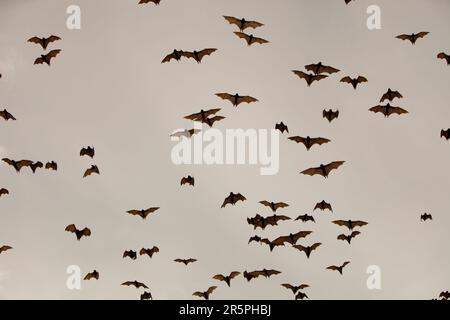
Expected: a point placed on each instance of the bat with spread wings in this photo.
(293, 288)
(202, 115)
(309, 77)
(175, 55)
(445, 295)
(130, 254)
(412, 37)
(211, 120)
(205, 295)
(89, 151)
(185, 133)
(320, 68)
(354, 81)
(308, 249)
(236, 99)
(185, 261)
(135, 284)
(18, 165)
(390, 95)
(350, 224)
(330, 115)
(92, 170)
(251, 275)
(146, 296)
(227, 279)
(149, 251)
(349, 237)
(199, 55)
(338, 268)
(233, 199)
(445, 57)
(143, 213)
(92, 275)
(388, 110)
(261, 222)
(281, 127)
(6, 115)
(44, 42)
(5, 248)
(445, 134)
(156, 2)
(242, 23)
(323, 170)
(305, 218)
(274, 206)
(3, 192)
(308, 142)
(255, 238)
(291, 238)
(425, 217)
(46, 58)
(250, 38)
(267, 273)
(36, 165)
(323, 205)
(85, 232)
(52, 165)
(189, 180)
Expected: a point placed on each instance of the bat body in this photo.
(323, 170)
(146, 296)
(306, 218)
(92, 275)
(281, 127)
(349, 237)
(202, 115)
(319, 68)
(143, 213)
(233, 199)
(390, 95)
(52, 165)
(236, 99)
(92, 170)
(261, 222)
(227, 279)
(250, 39)
(5, 248)
(330, 115)
(250, 275)
(388, 110)
(323, 205)
(176, 55)
(274, 206)
(199, 55)
(354, 81)
(309, 77)
(18, 165)
(426, 217)
(445, 134)
(445, 57)
(89, 151)
(308, 142)
(46, 58)
(185, 261)
(188, 180)
(412, 37)
(291, 238)
(6, 115)
(350, 224)
(3, 191)
(307, 250)
(44, 42)
(130, 254)
(206, 293)
(149, 252)
(242, 23)
(338, 268)
(86, 232)
(294, 289)
(36, 165)
(135, 284)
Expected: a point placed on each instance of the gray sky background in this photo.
(109, 89)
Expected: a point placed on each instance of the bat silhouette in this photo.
(261, 222)
(307, 250)
(199, 55)
(3, 191)
(445, 57)
(233, 199)
(18, 165)
(445, 295)
(92, 275)
(412, 37)
(445, 134)
(250, 39)
(338, 268)
(146, 296)
(305, 218)
(267, 273)
(185, 133)
(236, 99)
(92, 170)
(206, 293)
(46, 58)
(319, 68)
(274, 206)
(242, 23)
(176, 55)
(281, 127)
(156, 2)
(350, 224)
(36, 165)
(391, 95)
(349, 237)
(227, 279)
(354, 81)
(185, 261)
(302, 295)
(6, 115)
(323, 205)
(308, 142)
(323, 170)
(426, 217)
(293, 288)
(86, 232)
(291, 238)
(5, 248)
(143, 213)
(202, 115)
(309, 77)
(52, 165)
(255, 239)
(135, 284)
(89, 151)
(44, 42)
(210, 121)
(130, 254)
(330, 115)
(251, 275)
(149, 252)
(388, 110)
(188, 180)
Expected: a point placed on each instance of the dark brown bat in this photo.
(202, 115)
(338, 268)
(135, 284)
(354, 81)
(143, 213)
(255, 239)
(147, 295)
(156, 2)
(92, 170)
(205, 294)
(233, 199)
(185, 133)
(44, 42)
(210, 121)
(412, 37)
(250, 38)
(323, 170)
(309, 77)
(390, 95)
(148, 251)
(130, 254)
(305, 218)
(350, 224)
(236, 99)
(86, 232)
(251, 275)
(46, 58)
(261, 222)
(308, 142)
(301, 296)
(323, 205)
(388, 110)
(227, 279)
(188, 180)
(426, 217)
(5, 248)
(199, 55)
(281, 127)
(34, 166)
(176, 55)
(445, 57)
(294, 289)
(89, 151)
(92, 275)
(445, 295)
(3, 191)
(6, 115)
(242, 23)
(52, 165)
(291, 238)
(185, 261)
(445, 134)
(274, 206)
(267, 273)
(319, 68)
(349, 237)
(330, 115)
(307, 250)
(18, 165)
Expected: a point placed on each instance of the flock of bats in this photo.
(313, 73)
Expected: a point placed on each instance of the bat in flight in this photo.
(88, 151)
(293, 288)
(291, 238)
(350, 224)
(323, 170)
(308, 142)
(274, 206)
(281, 127)
(135, 284)
(445, 57)
(330, 115)
(445, 134)
(146, 296)
(86, 232)
(189, 180)
(143, 213)
(5, 248)
(130, 254)
(236, 99)
(388, 110)
(301, 296)
(319, 68)
(92, 275)
(412, 37)
(251, 39)
(185, 261)
(149, 251)
(156, 2)
(199, 55)
(233, 199)
(52, 165)
(206, 293)
(339, 268)
(390, 95)
(305, 218)
(261, 222)
(255, 238)
(268, 273)
(202, 115)
(185, 133)
(36, 165)
(3, 192)
(309, 77)
(242, 23)
(445, 295)
(211, 120)
(426, 217)
(323, 205)
(250, 275)
(176, 55)
(18, 165)
(46, 58)
(308, 249)
(349, 237)
(227, 279)
(354, 81)
(44, 42)
(92, 170)
(6, 115)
